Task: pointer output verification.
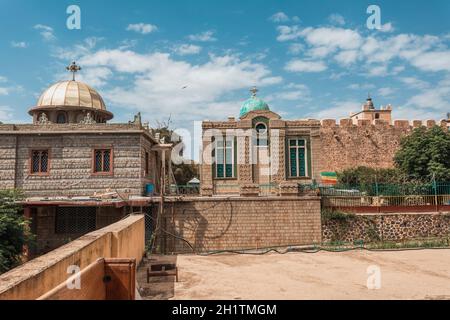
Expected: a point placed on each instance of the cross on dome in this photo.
(254, 90)
(74, 68)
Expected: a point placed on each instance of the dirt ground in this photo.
(418, 274)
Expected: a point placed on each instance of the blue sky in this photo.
(310, 59)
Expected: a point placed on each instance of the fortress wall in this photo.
(346, 145)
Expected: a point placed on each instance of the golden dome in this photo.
(71, 94)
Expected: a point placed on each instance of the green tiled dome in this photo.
(252, 104)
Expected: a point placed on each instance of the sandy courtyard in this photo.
(423, 274)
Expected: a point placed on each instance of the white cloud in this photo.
(359, 86)
(340, 109)
(386, 91)
(187, 49)
(46, 32)
(143, 28)
(279, 17)
(19, 44)
(292, 92)
(432, 61)
(5, 113)
(337, 19)
(4, 91)
(387, 27)
(298, 65)
(414, 83)
(3, 79)
(295, 48)
(346, 46)
(157, 82)
(347, 57)
(206, 36)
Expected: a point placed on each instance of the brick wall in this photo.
(211, 224)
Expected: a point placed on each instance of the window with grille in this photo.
(102, 160)
(297, 158)
(75, 220)
(39, 161)
(225, 154)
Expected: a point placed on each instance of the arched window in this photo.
(261, 132)
(61, 118)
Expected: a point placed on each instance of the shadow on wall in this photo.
(199, 228)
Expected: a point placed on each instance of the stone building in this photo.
(262, 154)
(369, 112)
(78, 172)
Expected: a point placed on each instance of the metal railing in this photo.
(374, 195)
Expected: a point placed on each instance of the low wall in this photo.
(124, 239)
(235, 223)
(386, 227)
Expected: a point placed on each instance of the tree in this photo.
(14, 230)
(425, 154)
(367, 176)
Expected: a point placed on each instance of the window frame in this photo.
(111, 161)
(297, 147)
(233, 159)
(40, 173)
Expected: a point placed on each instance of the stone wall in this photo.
(346, 145)
(386, 227)
(71, 161)
(210, 224)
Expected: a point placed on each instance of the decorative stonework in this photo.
(288, 189)
(43, 119)
(88, 119)
(207, 191)
(249, 190)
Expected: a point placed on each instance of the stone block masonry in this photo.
(214, 224)
(386, 227)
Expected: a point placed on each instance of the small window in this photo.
(102, 160)
(377, 116)
(61, 118)
(75, 220)
(39, 161)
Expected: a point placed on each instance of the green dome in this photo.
(253, 104)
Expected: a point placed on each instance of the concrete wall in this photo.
(240, 223)
(124, 239)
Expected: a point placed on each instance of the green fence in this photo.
(385, 195)
(407, 189)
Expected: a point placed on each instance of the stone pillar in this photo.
(206, 167)
(244, 157)
(277, 151)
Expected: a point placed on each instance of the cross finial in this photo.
(74, 68)
(368, 96)
(254, 90)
